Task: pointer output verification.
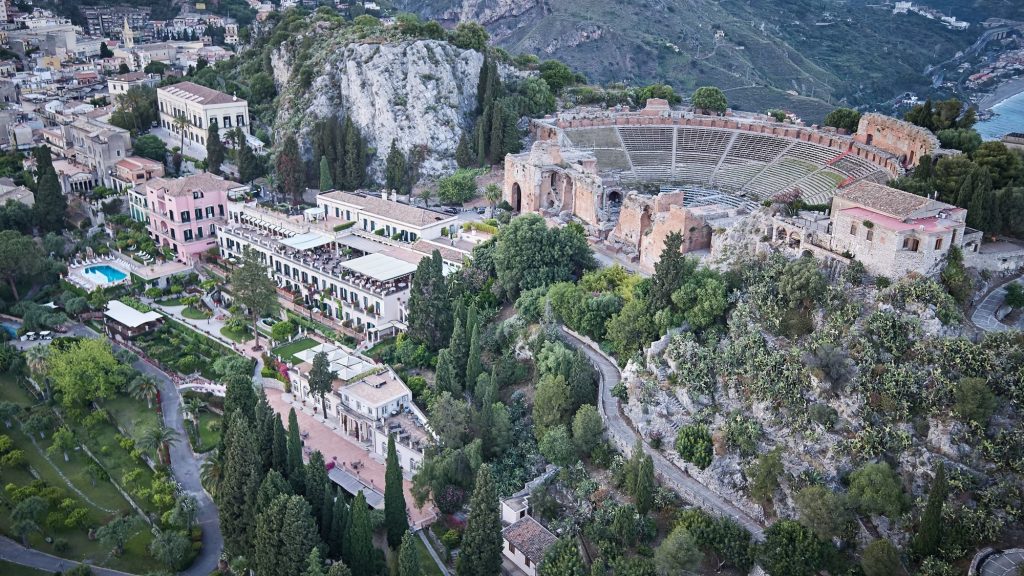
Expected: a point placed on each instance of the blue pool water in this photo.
(109, 273)
(11, 329)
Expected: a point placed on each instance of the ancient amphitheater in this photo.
(597, 164)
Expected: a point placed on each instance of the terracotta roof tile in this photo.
(200, 94)
(881, 198)
(204, 181)
(528, 536)
(388, 209)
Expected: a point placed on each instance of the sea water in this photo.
(1009, 118)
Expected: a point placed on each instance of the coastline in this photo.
(1004, 91)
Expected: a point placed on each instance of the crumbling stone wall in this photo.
(902, 139)
(545, 179)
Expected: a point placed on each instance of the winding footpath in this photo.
(185, 469)
(624, 436)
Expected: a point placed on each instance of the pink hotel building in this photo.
(184, 213)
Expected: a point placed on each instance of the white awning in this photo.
(380, 267)
(307, 241)
(128, 316)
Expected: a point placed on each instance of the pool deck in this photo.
(78, 277)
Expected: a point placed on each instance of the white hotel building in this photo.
(351, 275)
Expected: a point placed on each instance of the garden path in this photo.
(18, 554)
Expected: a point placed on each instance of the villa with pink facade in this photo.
(184, 213)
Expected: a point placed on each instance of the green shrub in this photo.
(344, 226)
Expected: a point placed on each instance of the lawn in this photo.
(427, 565)
(242, 335)
(76, 480)
(131, 414)
(193, 313)
(288, 351)
(208, 439)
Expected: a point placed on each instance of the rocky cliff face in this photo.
(418, 94)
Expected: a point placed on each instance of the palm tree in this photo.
(156, 438)
(492, 193)
(36, 357)
(210, 471)
(192, 406)
(182, 123)
(143, 387)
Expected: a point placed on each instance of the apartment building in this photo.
(200, 106)
(184, 214)
(99, 146)
(117, 85)
(132, 172)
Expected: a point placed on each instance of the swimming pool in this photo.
(104, 274)
(11, 328)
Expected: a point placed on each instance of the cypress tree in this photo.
(214, 148)
(929, 534)
(239, 396)
(394, 170)
(236, 493)
(339, 528)
(285, 536)
(50, 205)
(482, 136)
(562, 559)
(296, 469)
(279, 449)
(481, 542)
(408, 557)
(395, 519)
(316, 487)
(445, 379)
(464, 156)
(643, 491)
(359, 547)
(265, 417)
(339, 569)
(963, 197)
(290, 169)
(273, 485)
(355, 156)
(473, 366)
(481, 85)
(496, 138)
(459, 350)
(326, 181)
(982, 211)
(430, 314)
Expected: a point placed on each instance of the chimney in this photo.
(383, 194)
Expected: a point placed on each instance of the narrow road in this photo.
(984, 315)
(14, 552)
(185, 468)
(624, 436)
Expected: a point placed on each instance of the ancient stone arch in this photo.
(517, 197)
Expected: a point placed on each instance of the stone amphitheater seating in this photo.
(756, 166)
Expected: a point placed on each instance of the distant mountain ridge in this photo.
(802, 55)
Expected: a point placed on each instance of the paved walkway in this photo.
(336, 447)
(14, 552)
(185, 469)
(984, 316)
(624, 436)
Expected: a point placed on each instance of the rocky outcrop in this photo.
(419, 94)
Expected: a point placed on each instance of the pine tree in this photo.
(339, 569)
(279, 455)
(296, 469)
(339, 528)
(273, 485)
(236, 492)
(314, 564)
(929, 534)
(289, 169)
(394, 170)
(481, 542)
(316, 487)
(395, 520)
(464, 156)
(408, 557)
(214, 148)
(326, 181)
(359, 547)
(643, 491)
